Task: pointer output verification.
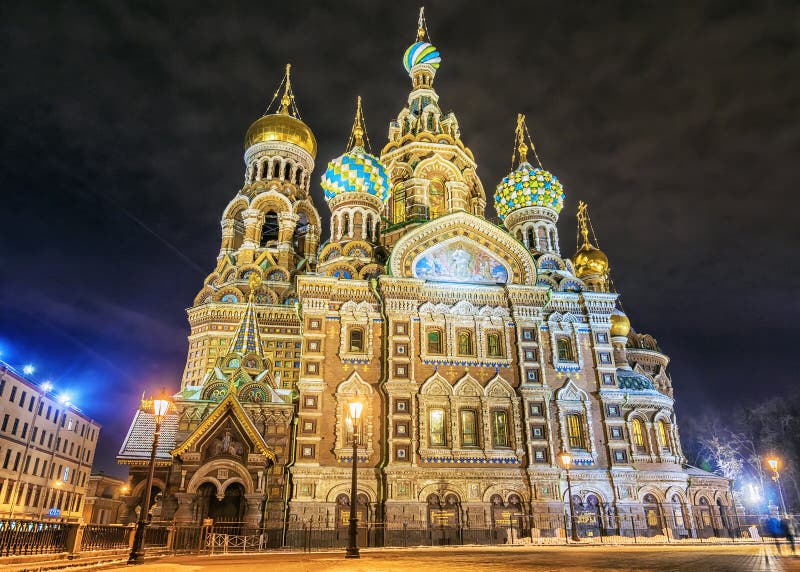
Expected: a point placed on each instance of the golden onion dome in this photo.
(281, 127)
(590, 260)
(620, 324)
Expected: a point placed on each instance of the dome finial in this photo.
(421, 24)
(583, 222)
(358, 128)
(286, 99)
(522, 148)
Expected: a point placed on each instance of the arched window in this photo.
(435, 342)
(356, 344)
(398, 205)
(663, 439)
(269, 230)
(436, 198)
(541, 234)
(500, 436)
(494, 347)
(469, 428)
(436, 430)
(531, 239)
(346, 225)
(465, 344)
(575, 431)
(564, 348)
(637, 431)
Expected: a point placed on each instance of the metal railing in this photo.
(104, 537)
(21, 537)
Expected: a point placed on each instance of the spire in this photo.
(583, 223)
(523, 142)
(357, 133)
(247, 340)
(286, 99)
(522, 148)
(421, 25)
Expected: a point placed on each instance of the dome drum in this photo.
(357, 199)
(526, 214)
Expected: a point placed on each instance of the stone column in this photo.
(184, 512)
(312, 242)
(227, 236)
(127, 512)
(286, 224)
(252, 516)
(253, 221)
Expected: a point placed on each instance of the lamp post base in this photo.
(137, 551)
(352, 553)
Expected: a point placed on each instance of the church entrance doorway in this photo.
(227, 512)
(444, 520)
(343, 518)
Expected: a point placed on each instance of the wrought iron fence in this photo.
(156, 535)
(20, 537)
(104, 537)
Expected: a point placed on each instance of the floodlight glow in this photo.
(28, 369)
(64, 398)
(755, 496)
(47, 386)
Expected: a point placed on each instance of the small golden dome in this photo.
(620, 324)
(590, 260)
(281, 127)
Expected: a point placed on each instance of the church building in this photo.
(484, 355)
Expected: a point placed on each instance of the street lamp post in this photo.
(160, 407)
(566, 459)
(352, 544)
(773, 464)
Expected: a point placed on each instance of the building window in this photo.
(493, 345)
(602, 338)
(401, 429)
(613, 410)
(500, 435)
(310, 402)
(307, 451)
(469, 428)
(540, 456)
(536, 408)
(5, 422)
(436, 431)
(400, 370)
(662, 434)
(530, 355)
(356, 344)
(435, 342)
(564, 350)
(605, 357)
(637, 430)
(616, 432)
(465, 344)
(620, 456)
(608, 379)
(575, 431)
(400, 328)
(309, 426)
(528, 334)
(13, 394)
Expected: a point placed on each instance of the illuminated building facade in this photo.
(479, 351)
(47, 447)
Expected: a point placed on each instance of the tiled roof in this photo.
(139, 442)
(247, 340)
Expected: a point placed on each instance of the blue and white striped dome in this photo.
(356, 172)
(421, 53)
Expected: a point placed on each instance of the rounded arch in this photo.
(205, 295)
(307, 208)
(235, 207)
(650, 490)
(229, 294)
(442, 491)
(504, 492)
(436, 385)
(344, 489)
(157, 483)
(271, 201)
(436, 167)
(206, 472)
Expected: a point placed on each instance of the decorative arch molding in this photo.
(571, 392)
(363, 488)
(354, 387)
(271, 201)
(436, 166)
(676, 491)
(234, 208)
(205, 474)
(442, 490)
(499, 387)
(468, 386)
(505, 491)
(469, 229)
(307, 208)
(649, 489)
(436, 384)
(138, 489)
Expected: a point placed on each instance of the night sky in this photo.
(122, 132)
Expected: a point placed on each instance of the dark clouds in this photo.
(122, 142)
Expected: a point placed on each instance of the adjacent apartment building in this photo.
(47, 447)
